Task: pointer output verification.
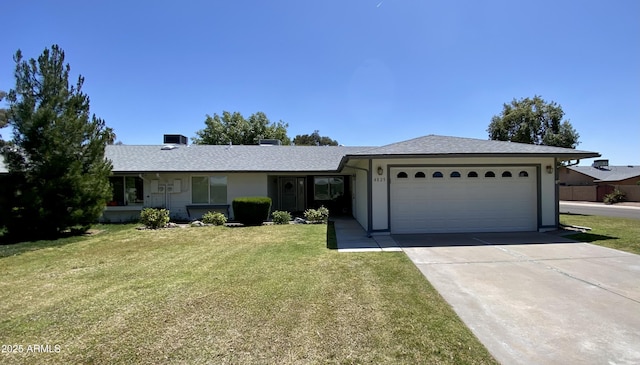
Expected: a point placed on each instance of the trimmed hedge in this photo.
(251, 210)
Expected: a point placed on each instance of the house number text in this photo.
(379, 179)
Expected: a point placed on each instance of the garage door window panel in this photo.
(506, 174)
(489, 174)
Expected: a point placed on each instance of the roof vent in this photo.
(270, 142)
(169, 147)
(175, 139)
(600, 164)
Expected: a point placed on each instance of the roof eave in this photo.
(223, 171)
(616, 179)
(561, 156)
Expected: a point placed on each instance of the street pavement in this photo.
(620, 210)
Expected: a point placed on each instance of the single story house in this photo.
(592, 183)
(427, 184)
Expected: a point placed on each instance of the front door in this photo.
(292, 194)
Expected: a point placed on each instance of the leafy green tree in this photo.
(533, 121)
(58, 175)
(234, 128)
(314, 139)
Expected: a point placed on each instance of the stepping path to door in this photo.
(352, 237)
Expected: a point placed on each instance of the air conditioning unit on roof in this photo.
(175, 139)
(598, 164)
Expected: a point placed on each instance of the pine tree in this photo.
(58, 174)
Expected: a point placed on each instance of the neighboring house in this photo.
(592, 183)
(427, 184)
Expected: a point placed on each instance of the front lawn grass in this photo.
(265, 295)
(619, 233)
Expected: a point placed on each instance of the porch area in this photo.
(296, 193)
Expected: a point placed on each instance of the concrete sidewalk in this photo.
(352, 237)
(621, 210)
(622, 205)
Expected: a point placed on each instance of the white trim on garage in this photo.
(438, 199)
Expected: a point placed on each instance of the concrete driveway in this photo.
(534, 298)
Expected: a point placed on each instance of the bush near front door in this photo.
(251, 211)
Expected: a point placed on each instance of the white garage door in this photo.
(478, 199)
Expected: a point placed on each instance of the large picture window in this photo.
(209, 190)
(328, 188)
(126, 190)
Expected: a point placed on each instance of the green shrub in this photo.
(615, 197)
(154, 218)
(251, 211)
(215, 218)
(320, 215)
(281, 217)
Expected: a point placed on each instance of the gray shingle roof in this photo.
(444, 145)
(608, 173)
(135, 158)
(129, 158)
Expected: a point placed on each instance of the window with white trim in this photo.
(209, 190)
(126, 190)
(328, 187)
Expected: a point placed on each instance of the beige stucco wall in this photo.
(238, 184)
(589, 193)
(548, 199)
(359, 187)
(578, 193)
(632, 192)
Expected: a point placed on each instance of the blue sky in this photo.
(362, 72)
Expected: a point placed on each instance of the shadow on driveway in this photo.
(477, 239)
